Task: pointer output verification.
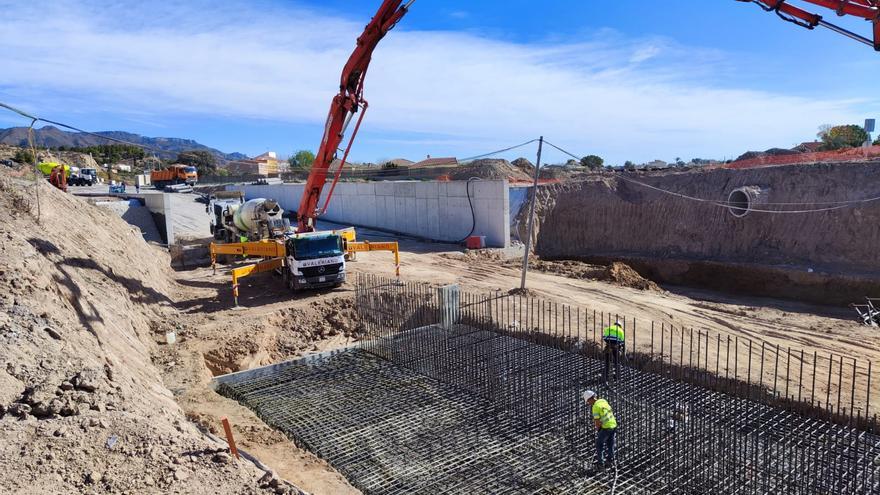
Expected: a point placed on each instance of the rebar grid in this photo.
(444, 399)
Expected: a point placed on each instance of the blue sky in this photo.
(627, 80)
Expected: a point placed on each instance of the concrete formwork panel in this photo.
(439, 211)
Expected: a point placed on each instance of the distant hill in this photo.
(52, 137)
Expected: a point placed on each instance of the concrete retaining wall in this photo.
(160, 206)
(432, 210)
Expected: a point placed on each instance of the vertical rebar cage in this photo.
(700, 412)
(455, 392)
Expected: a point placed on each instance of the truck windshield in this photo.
(309, 248)
(189, 170)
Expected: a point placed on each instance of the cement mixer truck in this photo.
(235, 220)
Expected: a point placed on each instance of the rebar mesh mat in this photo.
(463, 410)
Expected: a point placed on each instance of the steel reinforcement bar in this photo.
(748, 414)
(452, 392)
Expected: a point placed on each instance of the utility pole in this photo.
(525, 265)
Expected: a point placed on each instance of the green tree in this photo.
(842, 136)
(204, 162)
(877, 141)
(24, 156)
(301, 159)
(592, 162)
(628, 165)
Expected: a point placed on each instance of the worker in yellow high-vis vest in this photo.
(615, 341)
(606, 426)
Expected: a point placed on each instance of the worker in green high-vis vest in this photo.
(606, 426)
(614, 339)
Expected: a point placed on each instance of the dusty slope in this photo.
(271, 326)
(83, 408)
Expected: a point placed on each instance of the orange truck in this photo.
(175, 174)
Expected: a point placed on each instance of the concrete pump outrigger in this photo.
(281, 255)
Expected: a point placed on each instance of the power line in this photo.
(728, 204)
(498, 151)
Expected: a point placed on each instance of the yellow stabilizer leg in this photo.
(365, 246)
(244, 271)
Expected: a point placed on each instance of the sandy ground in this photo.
(273, 326)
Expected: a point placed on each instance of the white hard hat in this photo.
(617, 322)
(588, 394)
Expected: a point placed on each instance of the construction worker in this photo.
(606, 426)
(614, 339)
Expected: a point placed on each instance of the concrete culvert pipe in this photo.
(742, 199)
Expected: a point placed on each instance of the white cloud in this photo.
(624, 99)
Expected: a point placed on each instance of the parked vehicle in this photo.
(173, 175)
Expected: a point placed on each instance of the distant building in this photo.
(122, 167)
(265, 165)
(809, 146)
(400, 162)
(271, 161)
(656, 164)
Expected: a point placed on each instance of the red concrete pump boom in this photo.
(348, 102)
(866, 9)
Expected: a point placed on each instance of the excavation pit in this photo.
(474, 407)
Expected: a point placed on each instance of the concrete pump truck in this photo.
(306, 257)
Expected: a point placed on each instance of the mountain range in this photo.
(163, 147)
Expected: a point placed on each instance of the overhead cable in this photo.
(727, 204)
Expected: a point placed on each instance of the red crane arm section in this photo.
(866, 9)
(345, 104)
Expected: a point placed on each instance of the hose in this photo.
(473, 213)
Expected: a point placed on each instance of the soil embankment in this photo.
(820, 256)
(83, 409)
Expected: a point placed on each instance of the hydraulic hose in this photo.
(473, 213)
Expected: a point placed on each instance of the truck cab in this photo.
(314, 260)
(82, 176)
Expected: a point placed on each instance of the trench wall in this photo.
(159, 205)
(433, 210)
(830, 256)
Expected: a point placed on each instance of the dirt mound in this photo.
(524, 165)
(489, 169)
(617, 273)
(82, 408)
(283, 335)
(623, 274)
(748, 155)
